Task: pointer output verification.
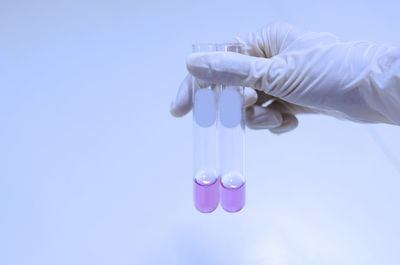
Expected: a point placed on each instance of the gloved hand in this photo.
(304, 72)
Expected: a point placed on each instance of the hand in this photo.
(303, 72)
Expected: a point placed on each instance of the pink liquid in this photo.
(233, 198)
(206, 195)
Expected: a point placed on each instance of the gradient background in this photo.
(94, 170)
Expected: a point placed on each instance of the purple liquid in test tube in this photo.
(233, 192)
(206, 191)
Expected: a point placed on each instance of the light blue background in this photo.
(94, 170)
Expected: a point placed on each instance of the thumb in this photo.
(229, 68)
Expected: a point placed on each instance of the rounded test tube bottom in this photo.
(206, 191)
(233, 192)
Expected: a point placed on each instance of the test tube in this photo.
(231, 128)
(205, 176)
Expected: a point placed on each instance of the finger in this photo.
(235, 69)
(183, 100)
(263, 118)
(287, 111)
(288, 108)
(250, 96)
(289, 123)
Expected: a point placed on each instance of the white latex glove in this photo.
(307, 72)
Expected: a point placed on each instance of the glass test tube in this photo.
(205, 176)
(231, 128)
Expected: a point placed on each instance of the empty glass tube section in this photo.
(231, 128)
(205, 175)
